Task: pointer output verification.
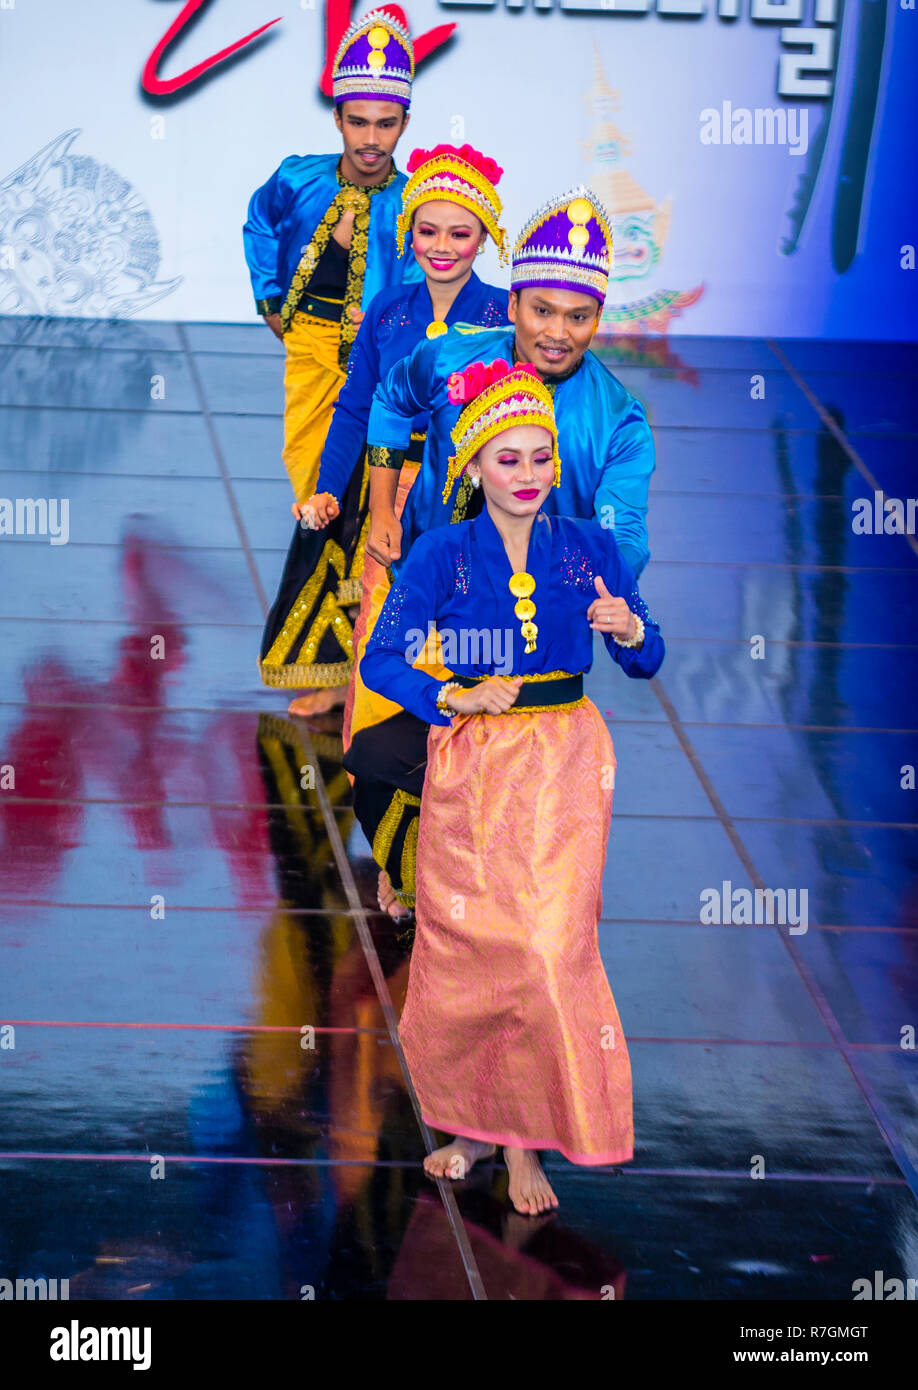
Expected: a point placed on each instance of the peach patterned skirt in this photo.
(509, 1028)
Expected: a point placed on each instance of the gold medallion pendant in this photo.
(521, 585)
(436, 329)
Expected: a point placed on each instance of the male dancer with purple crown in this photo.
(559, 277)
(320, 235)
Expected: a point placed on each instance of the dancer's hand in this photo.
(493, 696)
(610, 614)
(317, 511)
(384, 538)
(274, 323)
(357, 316)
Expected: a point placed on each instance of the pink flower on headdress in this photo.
(463, 387)
(486, 166)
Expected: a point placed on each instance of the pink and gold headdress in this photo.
(495, 398)
(460, 175)
(374, 62)
(566, 245)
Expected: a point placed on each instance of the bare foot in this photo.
(530, 1190)
(318, 701)
(388, 902)
(456, 1159)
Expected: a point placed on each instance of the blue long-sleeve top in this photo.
(396, 320)
(604, 440)
(284, 216)
(456, 580)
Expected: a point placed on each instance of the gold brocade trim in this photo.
(463, 497)
(355, 196)
(353, 289)
(324, 674)
(310, 259)
(410, 853)
(545, 709)
(388, 826)
(332, 556)
(381, 456)
(539, 709)
(350, 590)
(329, 615)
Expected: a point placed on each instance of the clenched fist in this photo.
(492, 696)
(384, 538)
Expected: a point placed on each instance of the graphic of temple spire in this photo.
(640, 224)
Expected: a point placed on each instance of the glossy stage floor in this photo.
(178, 908)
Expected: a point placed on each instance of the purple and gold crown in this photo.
(375, 62)
(566, 245)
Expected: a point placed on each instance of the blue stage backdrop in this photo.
(756, 155)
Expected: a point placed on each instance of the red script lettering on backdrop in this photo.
(337, 19)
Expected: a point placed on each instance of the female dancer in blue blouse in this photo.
(449, 206)
(509, 1029)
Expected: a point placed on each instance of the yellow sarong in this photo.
(312, 380)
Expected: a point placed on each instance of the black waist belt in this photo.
(415, 451)
(329, 309)
(560, 690)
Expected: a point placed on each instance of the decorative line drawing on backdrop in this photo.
(639, 223)
(76, 239)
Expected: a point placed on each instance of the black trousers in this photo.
(388, 762)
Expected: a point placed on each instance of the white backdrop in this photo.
(706, 221)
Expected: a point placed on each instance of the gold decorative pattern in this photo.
(274, 668)
(324, 674)
(381, 456)
(356, 270)
(463, 498)
(387, 829)
(351, 590)
(350, 196)
(410, 859)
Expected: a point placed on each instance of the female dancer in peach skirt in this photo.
(509, 1029)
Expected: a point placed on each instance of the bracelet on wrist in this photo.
(637, 640)
(442, 693)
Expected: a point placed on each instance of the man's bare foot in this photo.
(530, 1190)
(388, 902)
(457, 1158)
(318, 701)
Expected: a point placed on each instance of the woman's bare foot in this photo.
(530, 1190)
(318, 701)
(388, 902)
(457, 1158)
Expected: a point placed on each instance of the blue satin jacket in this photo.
(457, 579)
(604, 440)
(285, 213)
(396, 320)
